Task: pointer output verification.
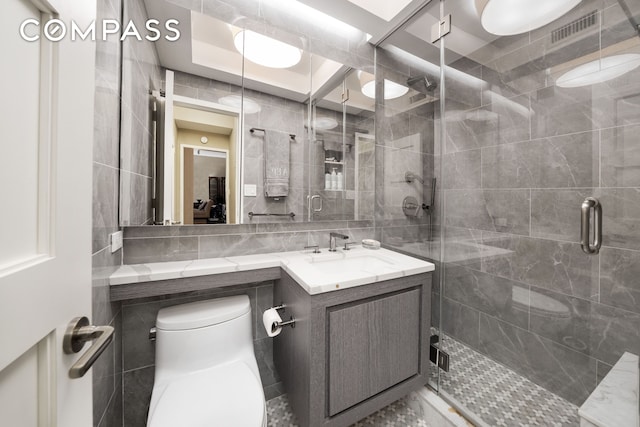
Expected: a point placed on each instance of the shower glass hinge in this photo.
(438, 356)
(441, 29)
(345, 96)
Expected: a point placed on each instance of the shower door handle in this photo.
(591, 204)
(316, 197)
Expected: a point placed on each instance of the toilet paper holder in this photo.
(291, 322)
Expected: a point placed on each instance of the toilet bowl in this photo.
(206, 372)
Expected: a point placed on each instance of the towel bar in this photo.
(252, 214)
(252, 130)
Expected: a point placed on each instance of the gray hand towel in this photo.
(276, 163)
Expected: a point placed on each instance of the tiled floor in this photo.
(398, 414)
(494, 393)
(499, 396)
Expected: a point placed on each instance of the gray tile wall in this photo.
(140, 75)
(177, 243)
(520, 156)
(118, 165)
(107, 371)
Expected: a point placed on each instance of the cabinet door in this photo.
(372, 346)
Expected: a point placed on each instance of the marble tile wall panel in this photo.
(620, 157)
(460, 322)
(564, 161)
(619, 272)
(559, 369)
(548, 264)
(497, 297)
(490, 210)
(600, 331)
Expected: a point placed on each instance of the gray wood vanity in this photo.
(355, 350)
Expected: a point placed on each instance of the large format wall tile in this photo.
(548, 264)
(621, 217)
(620, 157)
(460, 322)
(491, 210)
(565, 161)
(619, 272)
(555, 367)
(594, 329)
(497, 297)
(555, 214)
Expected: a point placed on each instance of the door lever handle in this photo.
(78, 332)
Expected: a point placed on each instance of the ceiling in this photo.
(206, 46)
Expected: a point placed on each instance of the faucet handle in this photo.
(316, 248)
(346, 245)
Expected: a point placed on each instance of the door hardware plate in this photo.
(441, 29)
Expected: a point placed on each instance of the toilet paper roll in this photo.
(271, 319)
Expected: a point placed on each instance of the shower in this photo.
(422, 83)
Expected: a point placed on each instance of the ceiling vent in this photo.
(574, 27)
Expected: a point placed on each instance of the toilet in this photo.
(206, 372)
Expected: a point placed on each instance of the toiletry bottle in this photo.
(340, 181)
(327, 181)
(334, 180)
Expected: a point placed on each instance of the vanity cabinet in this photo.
(352, 351)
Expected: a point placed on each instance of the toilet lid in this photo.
(227, 395)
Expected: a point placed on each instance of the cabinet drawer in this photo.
(372, 346)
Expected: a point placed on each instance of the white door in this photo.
(46, 137)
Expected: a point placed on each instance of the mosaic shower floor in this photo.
(498, 395)
(398, 414)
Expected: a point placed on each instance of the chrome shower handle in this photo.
(591, 203)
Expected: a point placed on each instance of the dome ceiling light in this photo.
(600, 70)
(235, 101)
(509, 17)
(266, 51)
(326, 123)
(392, 90)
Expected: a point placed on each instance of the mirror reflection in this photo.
(252, 126)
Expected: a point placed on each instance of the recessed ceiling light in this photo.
(266, 51)
(600, 70)
(235, 101)
(392, 89)
(509, 17)
(326, 123)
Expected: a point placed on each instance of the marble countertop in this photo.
(615, 401)
(316, 273)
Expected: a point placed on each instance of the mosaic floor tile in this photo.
(398, 414)
(498, 395)
(494, 393)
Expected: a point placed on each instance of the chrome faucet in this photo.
(332, 240)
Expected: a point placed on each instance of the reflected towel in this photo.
(276, 164)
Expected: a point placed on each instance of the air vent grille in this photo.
(580, 24)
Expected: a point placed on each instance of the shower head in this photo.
(422, 84)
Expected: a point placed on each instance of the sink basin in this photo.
(324, 272)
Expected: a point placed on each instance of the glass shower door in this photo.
(534, 124)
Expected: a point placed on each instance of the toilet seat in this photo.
(224, 396)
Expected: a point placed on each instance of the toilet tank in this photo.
(203, 334)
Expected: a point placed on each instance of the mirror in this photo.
(253, 125)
